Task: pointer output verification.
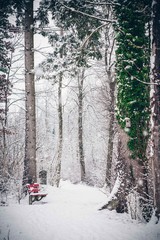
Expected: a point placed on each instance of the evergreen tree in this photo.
(23, 11)
(132, 69)
(5, 87)
(155, 106)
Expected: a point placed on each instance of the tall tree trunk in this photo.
(30, 173)
(111, 132)
(109, 39)
(4, 126)
(4, 149)
(132, 112)
(60, 140)
(57, 173)
(155, 104)
(4, 131)
(80, 124)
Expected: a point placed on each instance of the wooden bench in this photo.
(34, 192)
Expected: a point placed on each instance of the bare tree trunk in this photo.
(3, 147)
(4, 130)
(155, 105)
(80, 124)
(112, 84)
(60, 143)
(109, 64)
(30, 131)
(111, 132)
(57, 173)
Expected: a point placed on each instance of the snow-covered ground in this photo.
(71, 213)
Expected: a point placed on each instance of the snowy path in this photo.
(70, 213)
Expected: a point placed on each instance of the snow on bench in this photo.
(35, 193)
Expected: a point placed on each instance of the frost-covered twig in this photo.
(88, 15)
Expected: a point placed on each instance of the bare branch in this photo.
(85, 41)
(104, 4)
(88, 15)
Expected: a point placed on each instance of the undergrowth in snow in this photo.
(71, 213)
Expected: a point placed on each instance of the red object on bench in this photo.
(33, 188)
(34, 192)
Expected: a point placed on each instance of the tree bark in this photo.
(118, 196)
(57, 173)
(109, 64)
(30, 173)
(60, 143)
(111, 130)
(80, 124)
(132, 178)
(155, 104)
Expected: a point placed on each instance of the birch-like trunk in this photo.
(57, 173)
(109, 65)
(155, 104)
(30, 131)
(111, 108)
(60, 140)
(80, 124)
(111, 132)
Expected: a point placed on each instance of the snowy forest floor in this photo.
(71, 213)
